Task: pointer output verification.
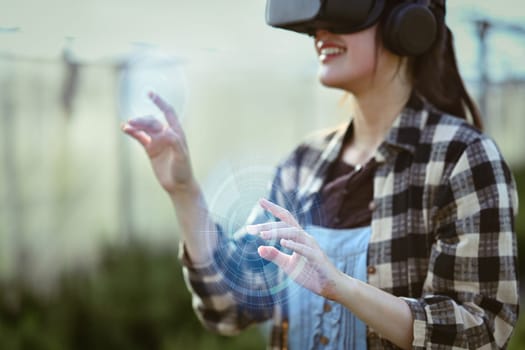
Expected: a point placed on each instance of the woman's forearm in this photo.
(387, 314)
(199, 232)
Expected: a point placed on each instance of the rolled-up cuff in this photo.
(204, 269)
(420, 322)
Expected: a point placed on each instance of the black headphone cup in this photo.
(410, 29)
(417, 42)
(390, 29)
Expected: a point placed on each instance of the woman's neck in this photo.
(374, 113)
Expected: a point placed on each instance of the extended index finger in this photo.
(257, 228)
(166, 108)
(279, 212)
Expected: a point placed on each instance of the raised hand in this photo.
(308, 265)
(165, 144)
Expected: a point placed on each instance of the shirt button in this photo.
(327, 307)
(371, 269)
(372, 206)
(324, 340)
(337, 220)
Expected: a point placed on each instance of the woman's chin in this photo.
(331, 82)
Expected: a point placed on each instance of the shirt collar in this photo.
(404, 134)
(406, 130)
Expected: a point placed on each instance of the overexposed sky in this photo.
(229, 31)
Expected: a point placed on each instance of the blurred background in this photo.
(88, 240)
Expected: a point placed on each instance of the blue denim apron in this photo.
(318, 323)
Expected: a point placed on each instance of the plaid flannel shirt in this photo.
(442, 237)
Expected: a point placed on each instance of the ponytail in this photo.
(436, 77)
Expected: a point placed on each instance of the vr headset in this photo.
(410, 28)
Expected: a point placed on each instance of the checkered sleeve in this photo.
(231, 292)
(470, 295)
(238, 288)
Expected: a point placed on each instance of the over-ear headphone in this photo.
(410, 29)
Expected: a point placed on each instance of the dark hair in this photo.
(435, 74)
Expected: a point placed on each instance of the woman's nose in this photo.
(320, 33)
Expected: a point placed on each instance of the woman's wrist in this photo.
(344, 288)
(187, 191)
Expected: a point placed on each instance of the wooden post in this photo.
(125, 183)
(483, 27)
(12, 205)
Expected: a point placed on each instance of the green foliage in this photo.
(517, 342)
(136, 299)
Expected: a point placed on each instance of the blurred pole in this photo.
(12, 203)
(125, 189)
(71, 80)
(483, 27)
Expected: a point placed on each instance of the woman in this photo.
(397, 230)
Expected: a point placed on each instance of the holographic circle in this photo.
(252, 280)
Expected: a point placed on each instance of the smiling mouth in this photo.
(330, 52)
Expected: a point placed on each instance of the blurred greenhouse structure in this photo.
(88, 240)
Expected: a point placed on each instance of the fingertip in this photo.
(264, 252)
(151, 95)
(263, 202)
(131, 132)
(251, 229)
(126, 123)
